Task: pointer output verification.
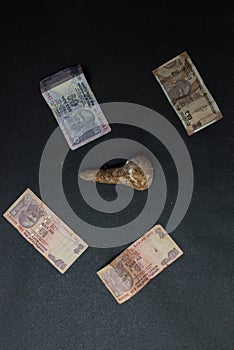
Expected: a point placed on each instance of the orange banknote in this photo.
(139, 263)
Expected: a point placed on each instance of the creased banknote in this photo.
(139, 263)
(45, 231)
(187, 93)
(74, 106)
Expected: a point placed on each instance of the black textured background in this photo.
(188, 306)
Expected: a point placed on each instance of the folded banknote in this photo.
(187, 93)
(74, 106)
(45, 231)
(127, 274)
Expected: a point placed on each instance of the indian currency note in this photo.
(45, 231)
(74, 106)
(187, 93)
(127, 274)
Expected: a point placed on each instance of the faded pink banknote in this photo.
(45, 231)
(127, 274)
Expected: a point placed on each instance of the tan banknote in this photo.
(139, 263)
(45, 231)
(187, 93)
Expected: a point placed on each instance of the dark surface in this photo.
(189, 305)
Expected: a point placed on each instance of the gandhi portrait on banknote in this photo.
(180, 89)
(118, 279)
(28, 212)
(80, 122)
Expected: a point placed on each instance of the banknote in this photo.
(127, 274)
(74, 106)
(45, 231)
(187, 93)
